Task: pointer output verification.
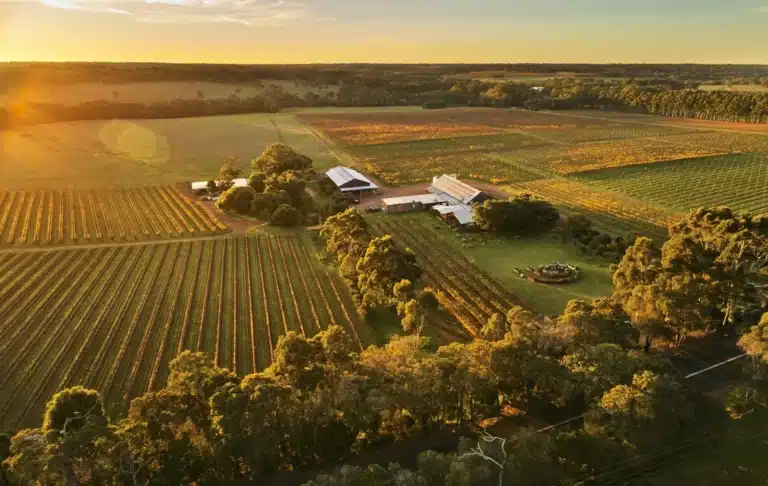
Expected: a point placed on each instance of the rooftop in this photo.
(342, 175)
(460, 191)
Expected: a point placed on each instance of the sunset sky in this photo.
(296, 31)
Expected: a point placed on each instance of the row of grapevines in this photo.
(67, 332)
(134, 321)
(290, 286)
(97, 364)
(190, 302)
(150, 325)
(159, 355)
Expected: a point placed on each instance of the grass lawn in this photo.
(130, 153)
(500, 257)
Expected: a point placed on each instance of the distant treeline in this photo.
(14, 74)
(35, 113)
(377, 86)
(689, 103)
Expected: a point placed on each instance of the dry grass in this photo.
(386, 127)
(75, 94)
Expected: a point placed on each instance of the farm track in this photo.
(112, 317)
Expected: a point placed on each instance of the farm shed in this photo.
(459, 212)
(350, 180)
(203, 185)
(410, 203)
(456, 192)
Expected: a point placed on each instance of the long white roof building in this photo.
(350, 180)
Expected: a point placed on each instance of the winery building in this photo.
(349, 180)
(447, 195)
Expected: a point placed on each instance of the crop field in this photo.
(479, 166)
(610, 212)
(370, 127)
(402, 147)
(573, 158)
(739, 181)
(132, 153)
(468, 293)
(111, 318)
(59, 217)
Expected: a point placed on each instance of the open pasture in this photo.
(61, 217)
(112, 318)
(468, 293)
(739, 181)
(149, 92)
(130, 153)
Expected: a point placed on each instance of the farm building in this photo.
(350, 180)
(448, 196)
(410, 203)
(203, 185)
(453, 191)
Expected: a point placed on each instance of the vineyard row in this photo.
(57, 217)
(113, 318)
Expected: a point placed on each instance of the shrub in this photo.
(286, 215)
(434, 105)
(236, 199)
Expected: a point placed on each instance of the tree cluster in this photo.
(578, 229)
(322, 400)
(372, 265)
(276, 190)
(522, 215)
(713, 264)
(660, 100)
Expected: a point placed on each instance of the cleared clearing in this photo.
(131, 153)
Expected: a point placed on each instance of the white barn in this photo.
(350, 180)
(203, 185)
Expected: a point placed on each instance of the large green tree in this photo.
(278, 158)
(383, 264)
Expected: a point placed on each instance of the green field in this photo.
(739, 181)
(495, 260)
(111, 318)
(131, 153)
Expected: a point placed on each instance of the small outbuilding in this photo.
(203, 185)
(410, 203)
(459, 213)
(349, 180)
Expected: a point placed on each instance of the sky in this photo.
(398, 31)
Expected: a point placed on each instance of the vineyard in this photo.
(609, 212)
(111, 318)
(739, 181)
(59, 217)
(469, 294)
(477, 166)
